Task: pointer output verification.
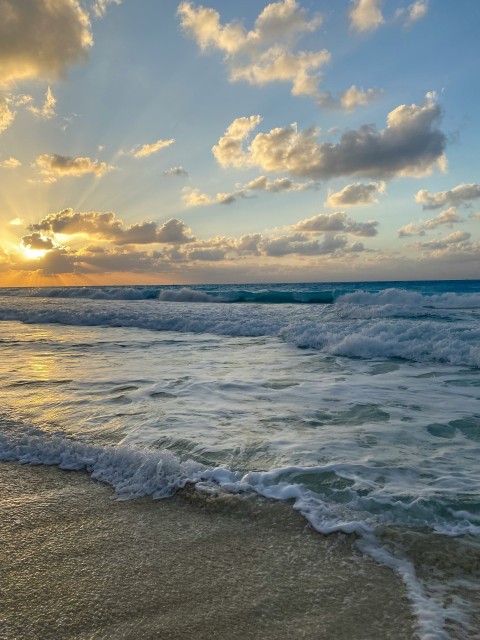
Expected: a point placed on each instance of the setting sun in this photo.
(32, 254)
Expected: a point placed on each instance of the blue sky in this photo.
(185, 142)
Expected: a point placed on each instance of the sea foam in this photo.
(339, 330)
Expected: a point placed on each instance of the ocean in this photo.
(355, 403)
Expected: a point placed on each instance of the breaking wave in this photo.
(395, 299)
(336, 330)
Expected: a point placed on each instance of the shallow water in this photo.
(364, 412)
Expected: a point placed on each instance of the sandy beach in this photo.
(78, 564)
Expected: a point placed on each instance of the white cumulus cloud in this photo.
(411, 144)
(57, 166)
(460, 195)
(447, 218)
(265, 54)
(366, 15)
(355, 194)
(10, 163)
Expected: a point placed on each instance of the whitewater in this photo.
(358, 403)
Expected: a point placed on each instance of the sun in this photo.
(32, 254)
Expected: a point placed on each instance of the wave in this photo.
(426, 341)
(134, 472)
(184, 294)
(90, 293)
(256, 297)
(387, 302)
(329, 331)
(346, 497)
(401, 300)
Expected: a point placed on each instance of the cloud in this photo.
(278, 64)
(57, 166)
(249, 244)
(173, 231)
(194, 197)
(410, 145)
(349, 99)
(229, 198)
(354, 97)
(10, 163)
(458, 196)
(16, 222)
(229, 150)
(280, 185)
(414, 12)
(366, 15)
(68, 222)
(20, 100)
(41, 39)
(278, 21)
(211, 255)
(47, 110)
(176, 171)
(100, 7)
(355, 194)
(6, 115)
(337, 222)
(38, 241)
(145, 150)
(203, 25)
(448, 218)
(302, 244)
(456, 240)
(283, 20)
(178, 249)
(266, 53)
(106, 226)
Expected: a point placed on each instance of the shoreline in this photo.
(78, 564)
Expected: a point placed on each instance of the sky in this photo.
(167, 142)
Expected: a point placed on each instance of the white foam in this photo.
(426, 340)
(133, 472)
(411, 300)
(94, 293)
(136, 472)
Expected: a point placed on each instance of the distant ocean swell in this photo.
(181, 294)
(393, 296)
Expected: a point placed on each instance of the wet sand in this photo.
(76, 563)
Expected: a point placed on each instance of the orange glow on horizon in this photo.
(36, 279)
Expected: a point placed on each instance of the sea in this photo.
(356, 403)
